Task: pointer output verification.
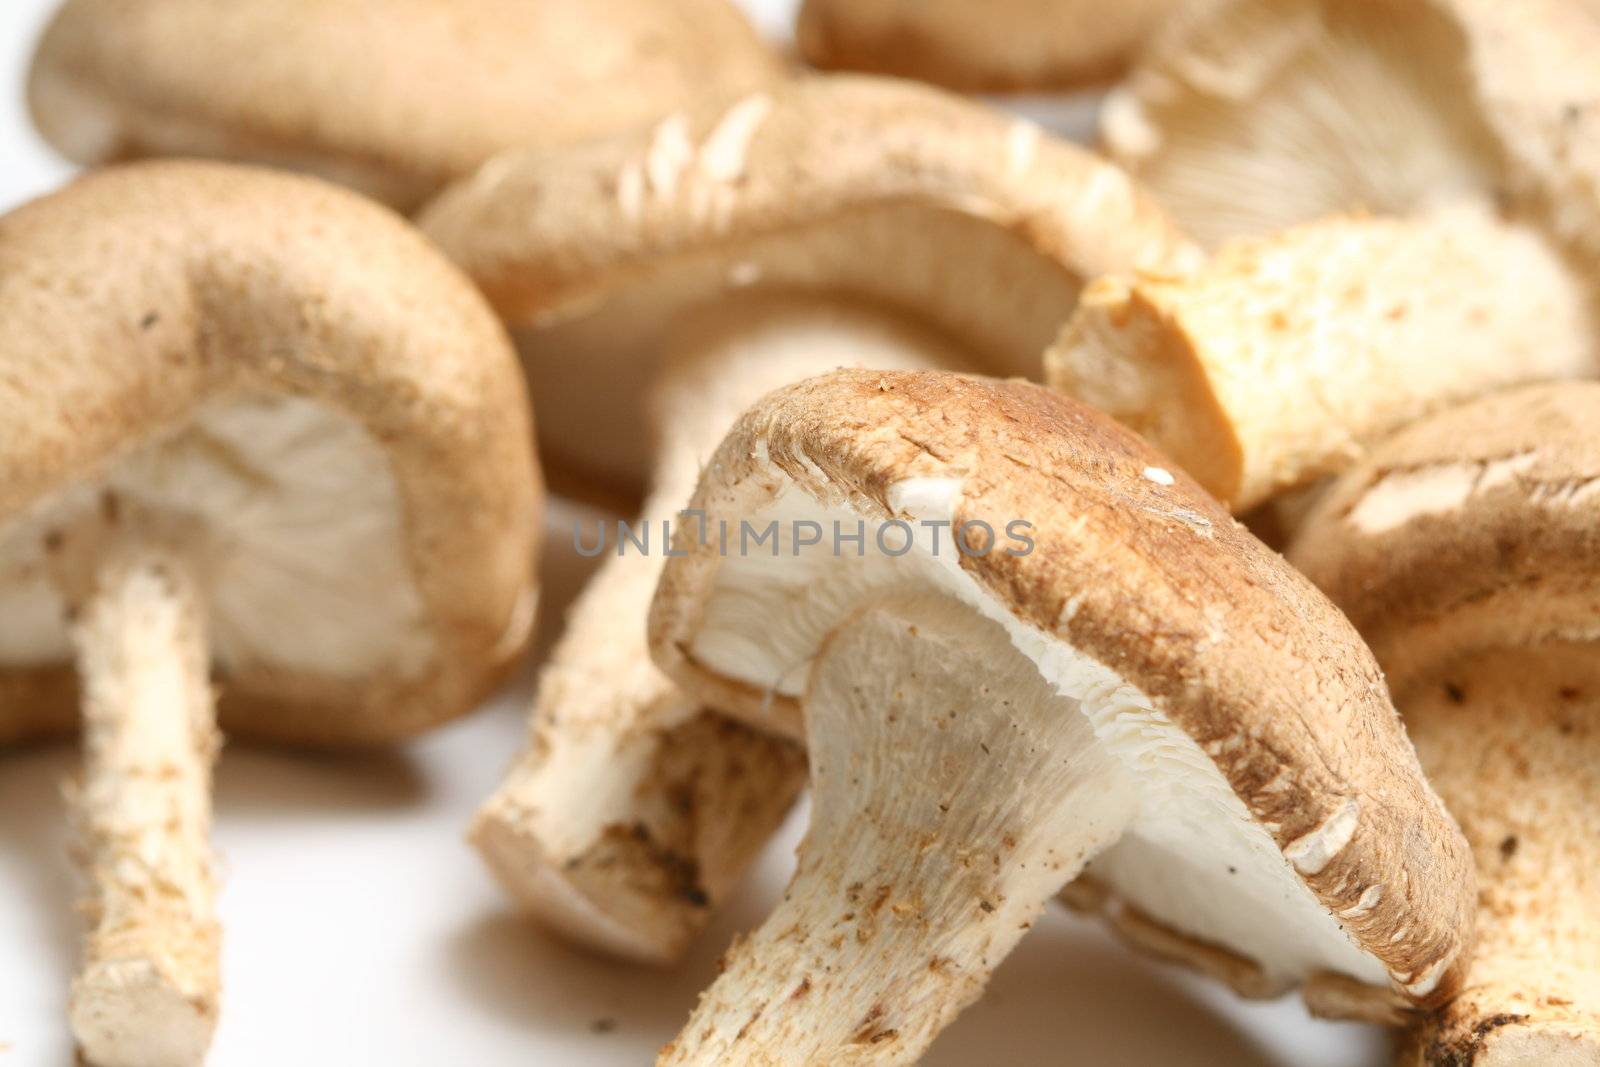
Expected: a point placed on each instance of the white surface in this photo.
(361, 930)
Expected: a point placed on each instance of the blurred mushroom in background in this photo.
(1466, 550)
(392, 97)
(999, 46)
(257, 430)
(687, 270)
(1050, 60)
(1250, 116)
(1128, 684)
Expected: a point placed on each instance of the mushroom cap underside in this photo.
(978, 224)
(1247, 116)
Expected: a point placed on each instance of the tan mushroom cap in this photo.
(393, 97)
(1285, 357)
(1135, 570)
(1467, 551)
(1246, 116)
(997, 46)
(330, 401)
(890, 193)
(1475, 529)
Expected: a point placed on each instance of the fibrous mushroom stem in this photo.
(634, 811)
(147, 995)
(1286, 357)
(1511, 741)
(955, 793)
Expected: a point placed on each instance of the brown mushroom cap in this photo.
(394, 97)
(298, 376)
(1472, 530)
(1133, 569)
(996, 46)
(1246, 116)
(889, 193)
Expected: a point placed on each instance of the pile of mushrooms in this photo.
(269, 467)
(701, 263)
(259, 436)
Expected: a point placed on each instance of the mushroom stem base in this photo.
(955, 793)
(626, 840)
(147, 995)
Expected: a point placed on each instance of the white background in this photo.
(360, 929)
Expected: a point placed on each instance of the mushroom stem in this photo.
(147, 995)
(1283, 359)
(948, 809)
(1511, 740)
(633, 811)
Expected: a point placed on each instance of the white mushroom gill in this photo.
(291, 519)
(1188, 855)
(1301, 114)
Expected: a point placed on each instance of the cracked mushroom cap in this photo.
(1004, 46)
(393, 97)
(1282, 830)
(1246, 116)
(1472, 530)
(897, 196)
(323, 411)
